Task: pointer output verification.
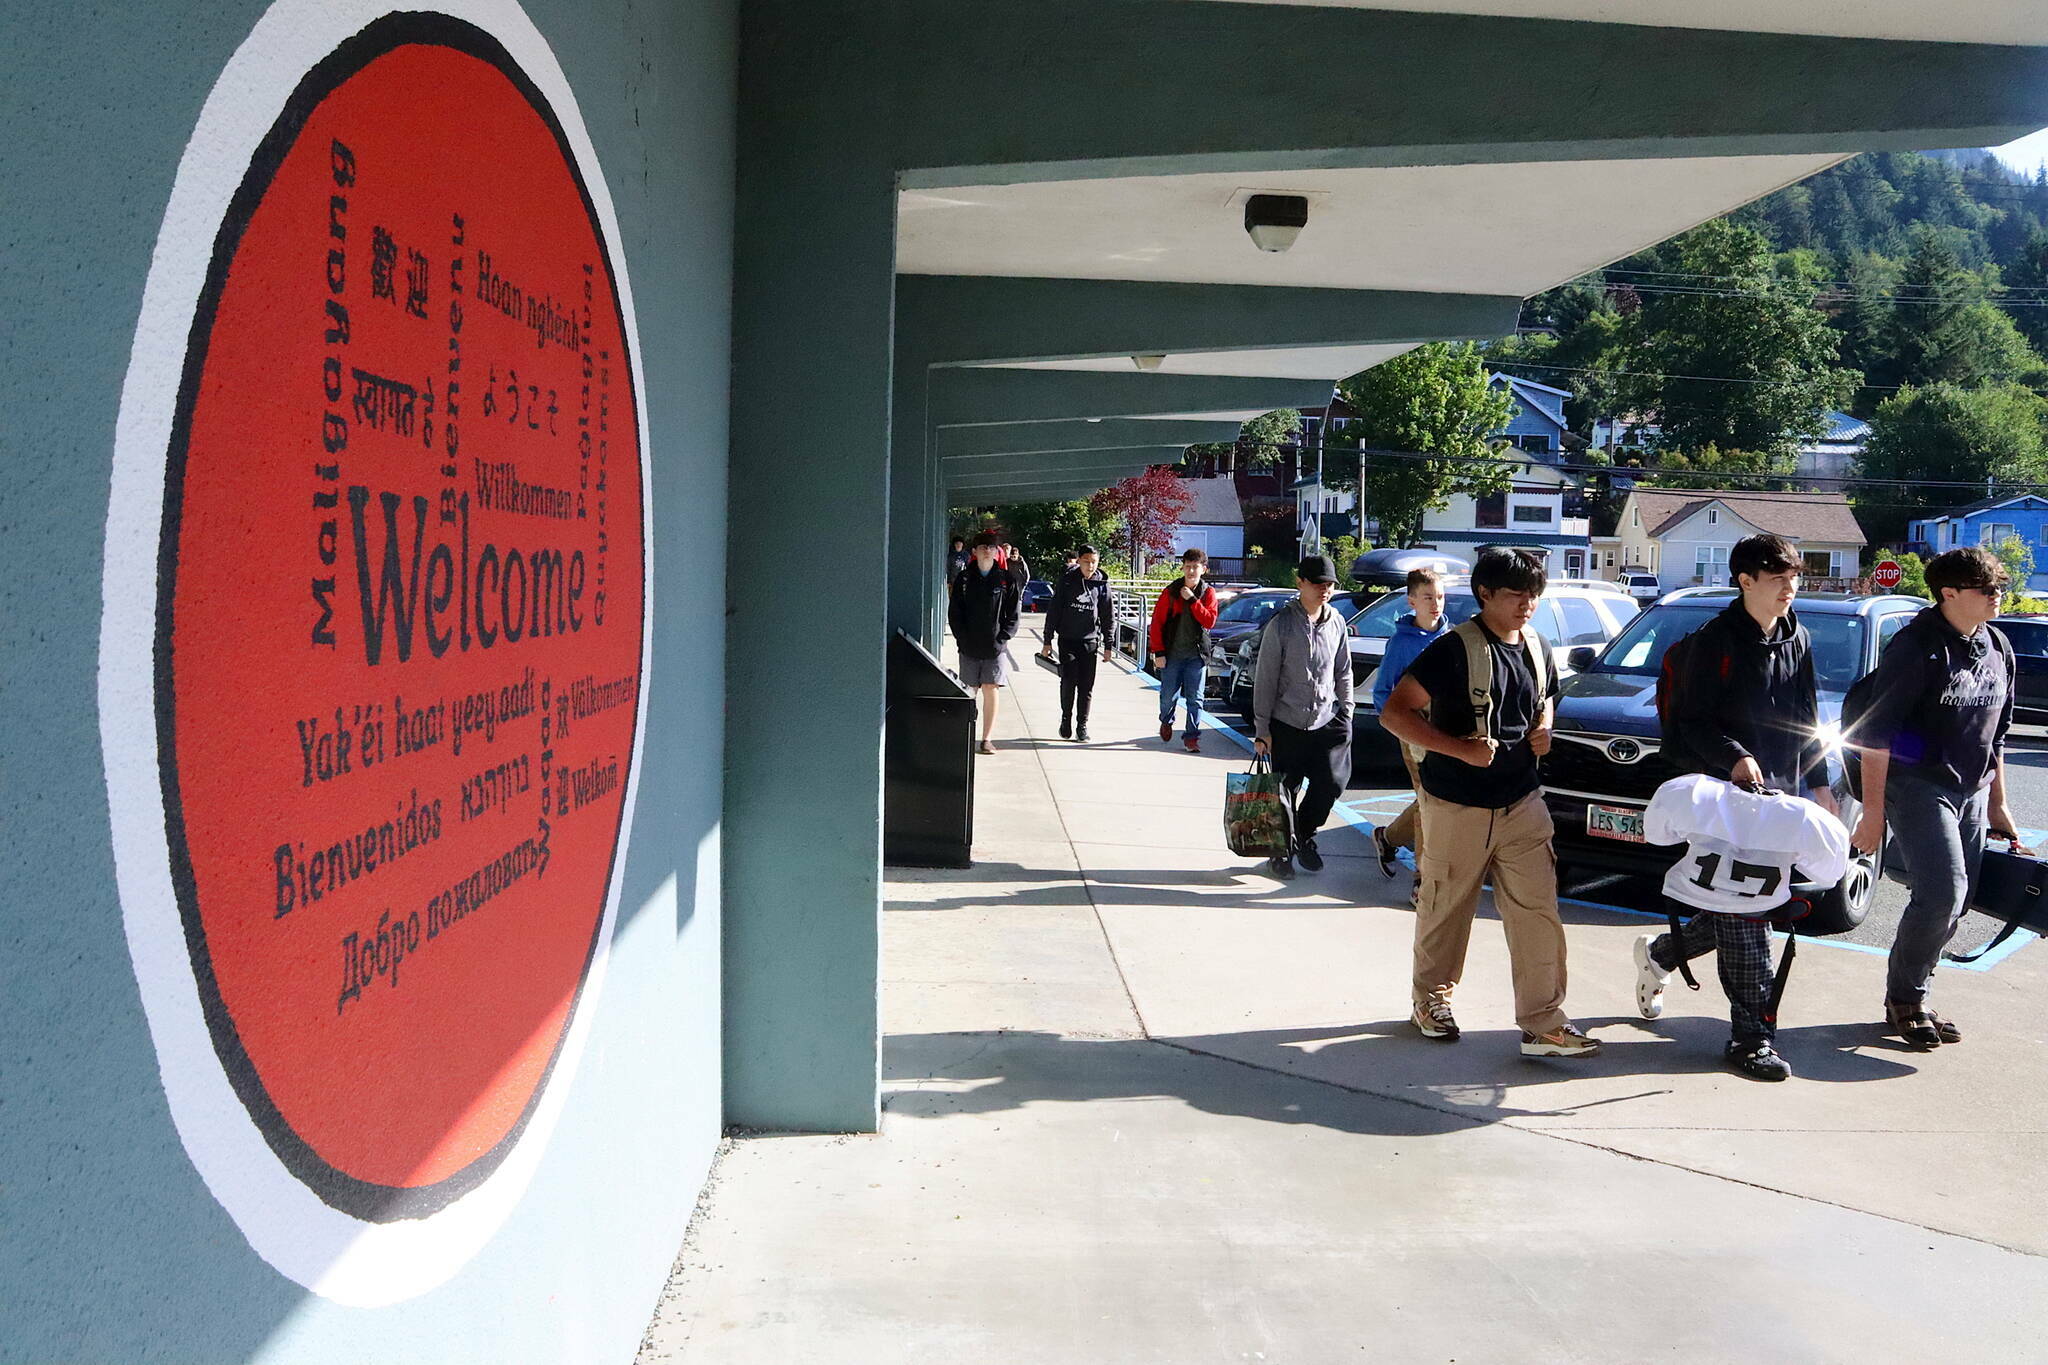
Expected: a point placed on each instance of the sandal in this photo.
(1914, 1024)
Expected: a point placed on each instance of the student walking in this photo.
(956, 560)
(1301, 707)
(1081, 623)
(1413, 633)
(1181, 618)
(983, 610)
(1478, 701)
(1739, 703)
(1932, 744)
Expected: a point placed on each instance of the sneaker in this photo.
(987, 746)
(1948, 1031)
(1166, 732)
(1383, 850)
(1283, 868)
(1066, 727)
(1758, 1060)
(1081, 733)
(1914, 1024)
(1650, 979)
(1193, 742)
(1434, 1020)
(1306, 854)
(1563, 1041)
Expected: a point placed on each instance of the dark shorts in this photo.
(984, 672)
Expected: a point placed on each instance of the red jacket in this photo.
(1202, 607)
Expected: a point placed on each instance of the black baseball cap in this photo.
(1316, 569)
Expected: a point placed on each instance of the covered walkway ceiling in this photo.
(1487, 226)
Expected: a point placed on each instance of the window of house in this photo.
(1490, 510)
(1610, 559)
(1539, 445)
(1819, 563)
(1995, 531)
(2044, 533)
(1713, 516)
(1710, 565)
(1539, 514)
(1635, 516)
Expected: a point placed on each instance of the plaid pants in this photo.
(1742, 951)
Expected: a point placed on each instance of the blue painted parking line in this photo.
(1347, 810)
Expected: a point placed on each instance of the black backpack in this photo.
(1678, 665)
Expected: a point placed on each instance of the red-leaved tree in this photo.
(1148, 508)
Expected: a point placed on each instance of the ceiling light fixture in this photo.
(1148, 362)
(1275, 220)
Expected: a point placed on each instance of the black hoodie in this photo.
(983, 610)
(1081, 610)
(1745, 696)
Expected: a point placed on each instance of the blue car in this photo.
(1037, 595)
(1605, 761)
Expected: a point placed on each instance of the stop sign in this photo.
(1887, 575)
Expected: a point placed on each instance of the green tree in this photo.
(1749, 365)
(2028, 279)
(1710, 468)
(1422, 428)
(1258, 444)
(1945, 434)
(2018, 559)
(1941, 329)
(1048, 531)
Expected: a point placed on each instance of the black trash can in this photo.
(927, 762)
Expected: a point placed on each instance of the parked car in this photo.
(1242, 615)
(1641, 585)
(1037, 595)
(1385, 569)
(1231, 658)
(2029, 636)
(1606, 762)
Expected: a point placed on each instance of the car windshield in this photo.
(1377, 621)
(1837, 642)
(1253, 610)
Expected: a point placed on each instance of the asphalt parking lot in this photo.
(1378, 794)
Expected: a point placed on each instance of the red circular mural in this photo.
(401, 615)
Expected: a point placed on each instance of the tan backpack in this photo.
(1479, 677)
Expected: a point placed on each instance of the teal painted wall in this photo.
(115, 1248)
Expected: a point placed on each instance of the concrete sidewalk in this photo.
(1144, 1103)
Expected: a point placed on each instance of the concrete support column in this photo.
(812, 305)
(915, 576)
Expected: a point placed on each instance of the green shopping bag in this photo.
(1257, 821)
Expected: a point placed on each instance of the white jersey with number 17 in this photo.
(1741, 847)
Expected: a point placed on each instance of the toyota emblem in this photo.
(1624, 750)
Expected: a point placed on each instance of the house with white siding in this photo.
(1683, 535)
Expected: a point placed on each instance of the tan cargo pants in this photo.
(1467, 846)
(1405, 830)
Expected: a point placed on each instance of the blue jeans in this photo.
(1182, 678)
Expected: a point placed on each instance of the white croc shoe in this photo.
(1650, 979)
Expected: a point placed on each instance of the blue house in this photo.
(1538, 425)
(1986, 523)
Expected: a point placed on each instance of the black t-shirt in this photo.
(1440, 669)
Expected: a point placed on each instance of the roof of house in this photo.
(1796, 516)
(1987, 504)
(1215, 503)
(1530, 384)
(1843, 427)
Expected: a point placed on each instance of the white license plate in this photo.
(1615, 822)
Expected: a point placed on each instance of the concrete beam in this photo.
(1074, 492)
(966, 444)
(995, 397)
(1108, 471)
(981, 319)
(1023, 466)
(1391, 88)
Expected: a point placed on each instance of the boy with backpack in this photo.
(1181, 618)
(1736, 700)
(1930, 724)
(983, 611)
(1478, 701)
(1413, 633)
(1081, 622)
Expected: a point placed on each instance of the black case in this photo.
(2013, 889)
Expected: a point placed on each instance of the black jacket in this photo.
(1081, 610)
(1744, 696)
(1942, 703)
(983, 610)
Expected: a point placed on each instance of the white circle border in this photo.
(334, 1255)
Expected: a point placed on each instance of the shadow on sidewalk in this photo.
(1378, 1077)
